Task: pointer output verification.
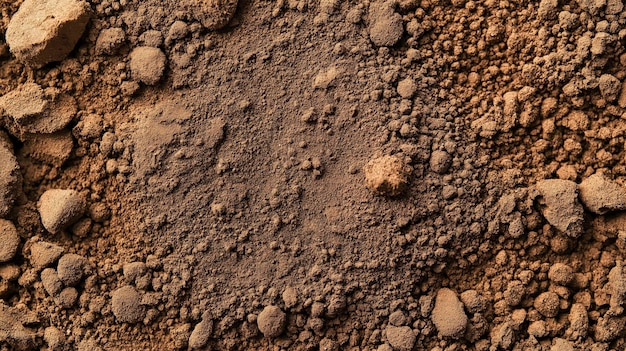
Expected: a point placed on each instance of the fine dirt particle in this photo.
(400, 338)
(200, 334)
(601, 195)
(271, 321)
(448, 314)
(9, 177)
(387, 175)
(45, 31)
(9, 240)
(560, 206)
(126, 305)
(60, 208)
(147, 64)
(213, 14)
(44, 254)
(547, 303)
(71, 269)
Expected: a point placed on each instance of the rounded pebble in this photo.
(9, 240)
(71, 269)
(147, 64)
(561, 274)
(271, 321)
(547, 304)
(60, 208)
(126, 305)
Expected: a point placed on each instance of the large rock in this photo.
(600, 194)
(46, 31)
(448, 314)
(9, 177)
(560, 206)
(60, 208)
(32, 109)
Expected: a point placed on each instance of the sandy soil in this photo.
(312, 175)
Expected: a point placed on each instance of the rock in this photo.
(9, 240)
(46, 31)
(387, 175)
(561, 274)
(147, 64)
(616, 286)
(54, 338)
(60, 208)
(440, 161)
(406, 88)
(200, 334)
(271, 321)
(51, 282)
(67, 297)
(601, 195)
(71, 269)
(559, 344)
(386, 25)
(290, 297)
(473, 301)
(126, 305)
(397, 319)
(43, 254)
(560, 206)
(213, 14)
(33, 110)
(448, 314)
(53, 148)
(110, 40)
(610, 87)
(547, 303)
(10, 177)
(400, 338)
(134, 270)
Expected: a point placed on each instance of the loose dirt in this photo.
(312, 175)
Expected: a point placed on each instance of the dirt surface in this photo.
(304, 175)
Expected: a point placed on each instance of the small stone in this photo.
(67, 297)
(213, 14)
(406, 88)
(271, 321)
(60, 208)
(290, 297)
(440, 161)
(400, 338)
(71, 269)
(134, 270)
(547, 304)
(110, 40)
(200, 334)
(448, 314)
(46, 31)
(9, 240)
(147, 64)
(126, 305)
(473, 301)
(601, 195)
(54, 338)
(397, 319)
(43, 254)
(561, 274)
(610, 87)
(51, 282)
(387, 175)
(560, 205)
(386, 27)
(9, 177)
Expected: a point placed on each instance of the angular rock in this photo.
(200, 334)
(45, 31)
(110, 40)
(60, 208)
(560, 206)
(601, 195)
(448, 314)
(387, 175)
(43, 254)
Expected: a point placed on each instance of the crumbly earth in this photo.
(219, 150)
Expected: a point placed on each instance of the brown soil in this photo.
(304, 175)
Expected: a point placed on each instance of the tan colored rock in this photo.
(9, 177)
(448, 314)
(387, 175)
(271, 321)
(386, 27)
(43, 31)
(9, 240)
(213, 14)
(601, 195)
(126, 305)
(147, 64)
(60, 208)
(560, 206)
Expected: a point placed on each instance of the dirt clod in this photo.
(60, 208)
(601, 195)
(126, 305)
(387, 175)
(71, 269)
(147, 64)
(560, 205)
(9, 178)
(271, 321)
(448, 314)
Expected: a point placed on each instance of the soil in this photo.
(312, 175)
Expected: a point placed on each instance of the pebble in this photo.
(386, 25)
(561, 274)
(51, 282)
(126, 305)
(560, 205)
(46, 31)
(400, 338)
(387, 176)
(610, 87)
(601, 195)
(271, 321)
(9, 240)
(200, 334)
(67, 297)
(547, 303)
(290, 297)
(213, 14)
(406, 88)
(54, 338)
(110, 40)
(473, 301)
(60, 208)
(9, 176)
(440, 161)
(43, 254)
(71, 269)
(147, 64)
(448, 314)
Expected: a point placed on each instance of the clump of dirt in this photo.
(207, 175)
